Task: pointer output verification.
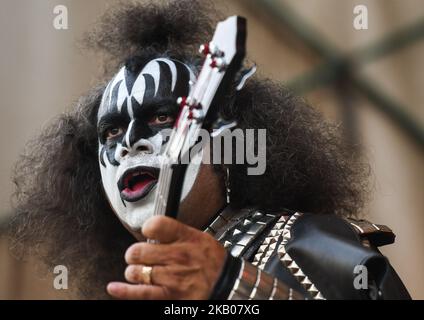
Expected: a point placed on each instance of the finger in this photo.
(166, 229)
(158, 276)
(127, 291)
(175, 278)
(134, 274)
(155, 254)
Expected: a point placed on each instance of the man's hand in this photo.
(186, 263)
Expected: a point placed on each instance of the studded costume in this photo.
(291, 255)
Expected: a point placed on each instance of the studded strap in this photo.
(237, 232)
(254, 284)
(291, 265)
(281, 231)
(238, 237)
(269, 245)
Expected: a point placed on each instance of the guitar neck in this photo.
(224, 55)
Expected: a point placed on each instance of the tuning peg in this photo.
(182, 101)
(190, 114)
(197, 106)
(204, 49)
(218, 63)
(185, 101)
(210, 49)
(196, 113)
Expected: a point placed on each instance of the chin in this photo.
(137, 213)
(134, 213)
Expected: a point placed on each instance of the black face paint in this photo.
(137, 106)
(159, 93)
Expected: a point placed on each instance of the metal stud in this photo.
(262, 248)
(257, 215)
(227, 244)
(236, 232)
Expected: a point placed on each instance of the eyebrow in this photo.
(161, 104)
(152, 107)
(111, 117)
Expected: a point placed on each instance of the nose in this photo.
(133, 142)
(143, 145)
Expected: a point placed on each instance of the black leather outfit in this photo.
(291, 255)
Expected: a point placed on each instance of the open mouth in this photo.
(136, 183)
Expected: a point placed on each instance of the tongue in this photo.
(137, 187)
(141, 184)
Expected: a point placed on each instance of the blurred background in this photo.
(370, 81)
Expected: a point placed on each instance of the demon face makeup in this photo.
(135, 117)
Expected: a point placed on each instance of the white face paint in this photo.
(135, 118)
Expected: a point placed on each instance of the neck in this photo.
(205, 199)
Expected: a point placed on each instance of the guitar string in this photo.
(166, 173)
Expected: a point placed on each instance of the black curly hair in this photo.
(61, 212)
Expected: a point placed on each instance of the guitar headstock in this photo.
(227, 43)
(223, 59)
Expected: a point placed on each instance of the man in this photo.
(86, 186)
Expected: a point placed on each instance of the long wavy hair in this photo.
(61, 211)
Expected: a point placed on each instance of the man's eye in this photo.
(113, 133)
(161, 119)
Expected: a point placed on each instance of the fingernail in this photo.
(113, 287)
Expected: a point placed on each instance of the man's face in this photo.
(137, 112)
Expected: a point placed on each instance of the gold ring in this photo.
(146, 271)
